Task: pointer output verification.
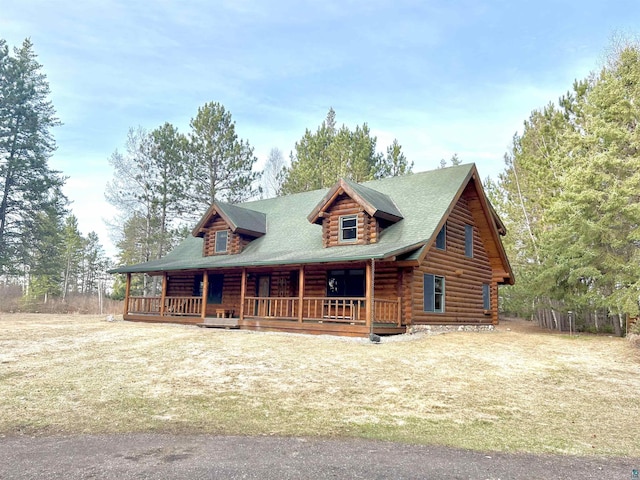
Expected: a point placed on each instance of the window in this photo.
(221, 241)
(345, 283)
(441, 239)
(433, 293)
(468, 241)
(486, 297)
(349, 228)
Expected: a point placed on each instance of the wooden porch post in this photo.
(205, 289)
(243, 292)
(163, 294)
(300, 293)
(127, 292)
(368, 294)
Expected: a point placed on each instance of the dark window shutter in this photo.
(486, 297)
(468, 241)
(428, 293)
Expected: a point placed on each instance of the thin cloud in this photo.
(441, 78)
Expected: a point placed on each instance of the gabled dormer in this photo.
(352, 214)
(227, 228)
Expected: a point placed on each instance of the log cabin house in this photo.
(377, 257)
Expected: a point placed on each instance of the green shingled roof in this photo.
(424, 199)
(381, 202)
(239, 219)
(374, 202)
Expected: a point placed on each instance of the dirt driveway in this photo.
(149, 456)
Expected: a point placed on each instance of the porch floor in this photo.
(308, 326)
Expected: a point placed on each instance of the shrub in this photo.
(12, 300)
(607, 328)
(10, 296)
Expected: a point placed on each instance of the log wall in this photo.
(368, 226)
(180, 284)
(235, 241)
(283, 282)
(464, 276)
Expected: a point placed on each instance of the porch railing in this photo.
(183, 306)
(173, 306)
(335, 309)
(281, 307)
(324, 309)
(145, 305)
(321, 309)
(388, 311)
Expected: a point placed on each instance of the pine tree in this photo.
(570, 196)
(394, 163)
(220, 166)
(321, 158)
(72, 252)
(170, 186)
(27, 184)
(43, 247)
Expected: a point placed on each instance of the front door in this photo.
(214, 293)
(263, 291)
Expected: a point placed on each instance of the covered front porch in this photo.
(335, 299)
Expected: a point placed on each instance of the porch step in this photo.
(217, 322)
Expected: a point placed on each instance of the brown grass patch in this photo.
(514, 389)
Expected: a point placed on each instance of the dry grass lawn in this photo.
(514, 389)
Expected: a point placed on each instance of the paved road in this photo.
(145, 456)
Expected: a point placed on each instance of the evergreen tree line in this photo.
(165, 180)
(41, 249)
(570, 198)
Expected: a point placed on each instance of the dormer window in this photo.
(227, 229)
(349, 228)
(221, 241)
(351, 213)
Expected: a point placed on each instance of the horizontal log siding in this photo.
(180, 284)
(385, 281)
(235, 241)
(315, 281)
(487, 234)
(464, 276)
(281, 284)
(374, 229)
(344, 205)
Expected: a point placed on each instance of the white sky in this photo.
(441, 77)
